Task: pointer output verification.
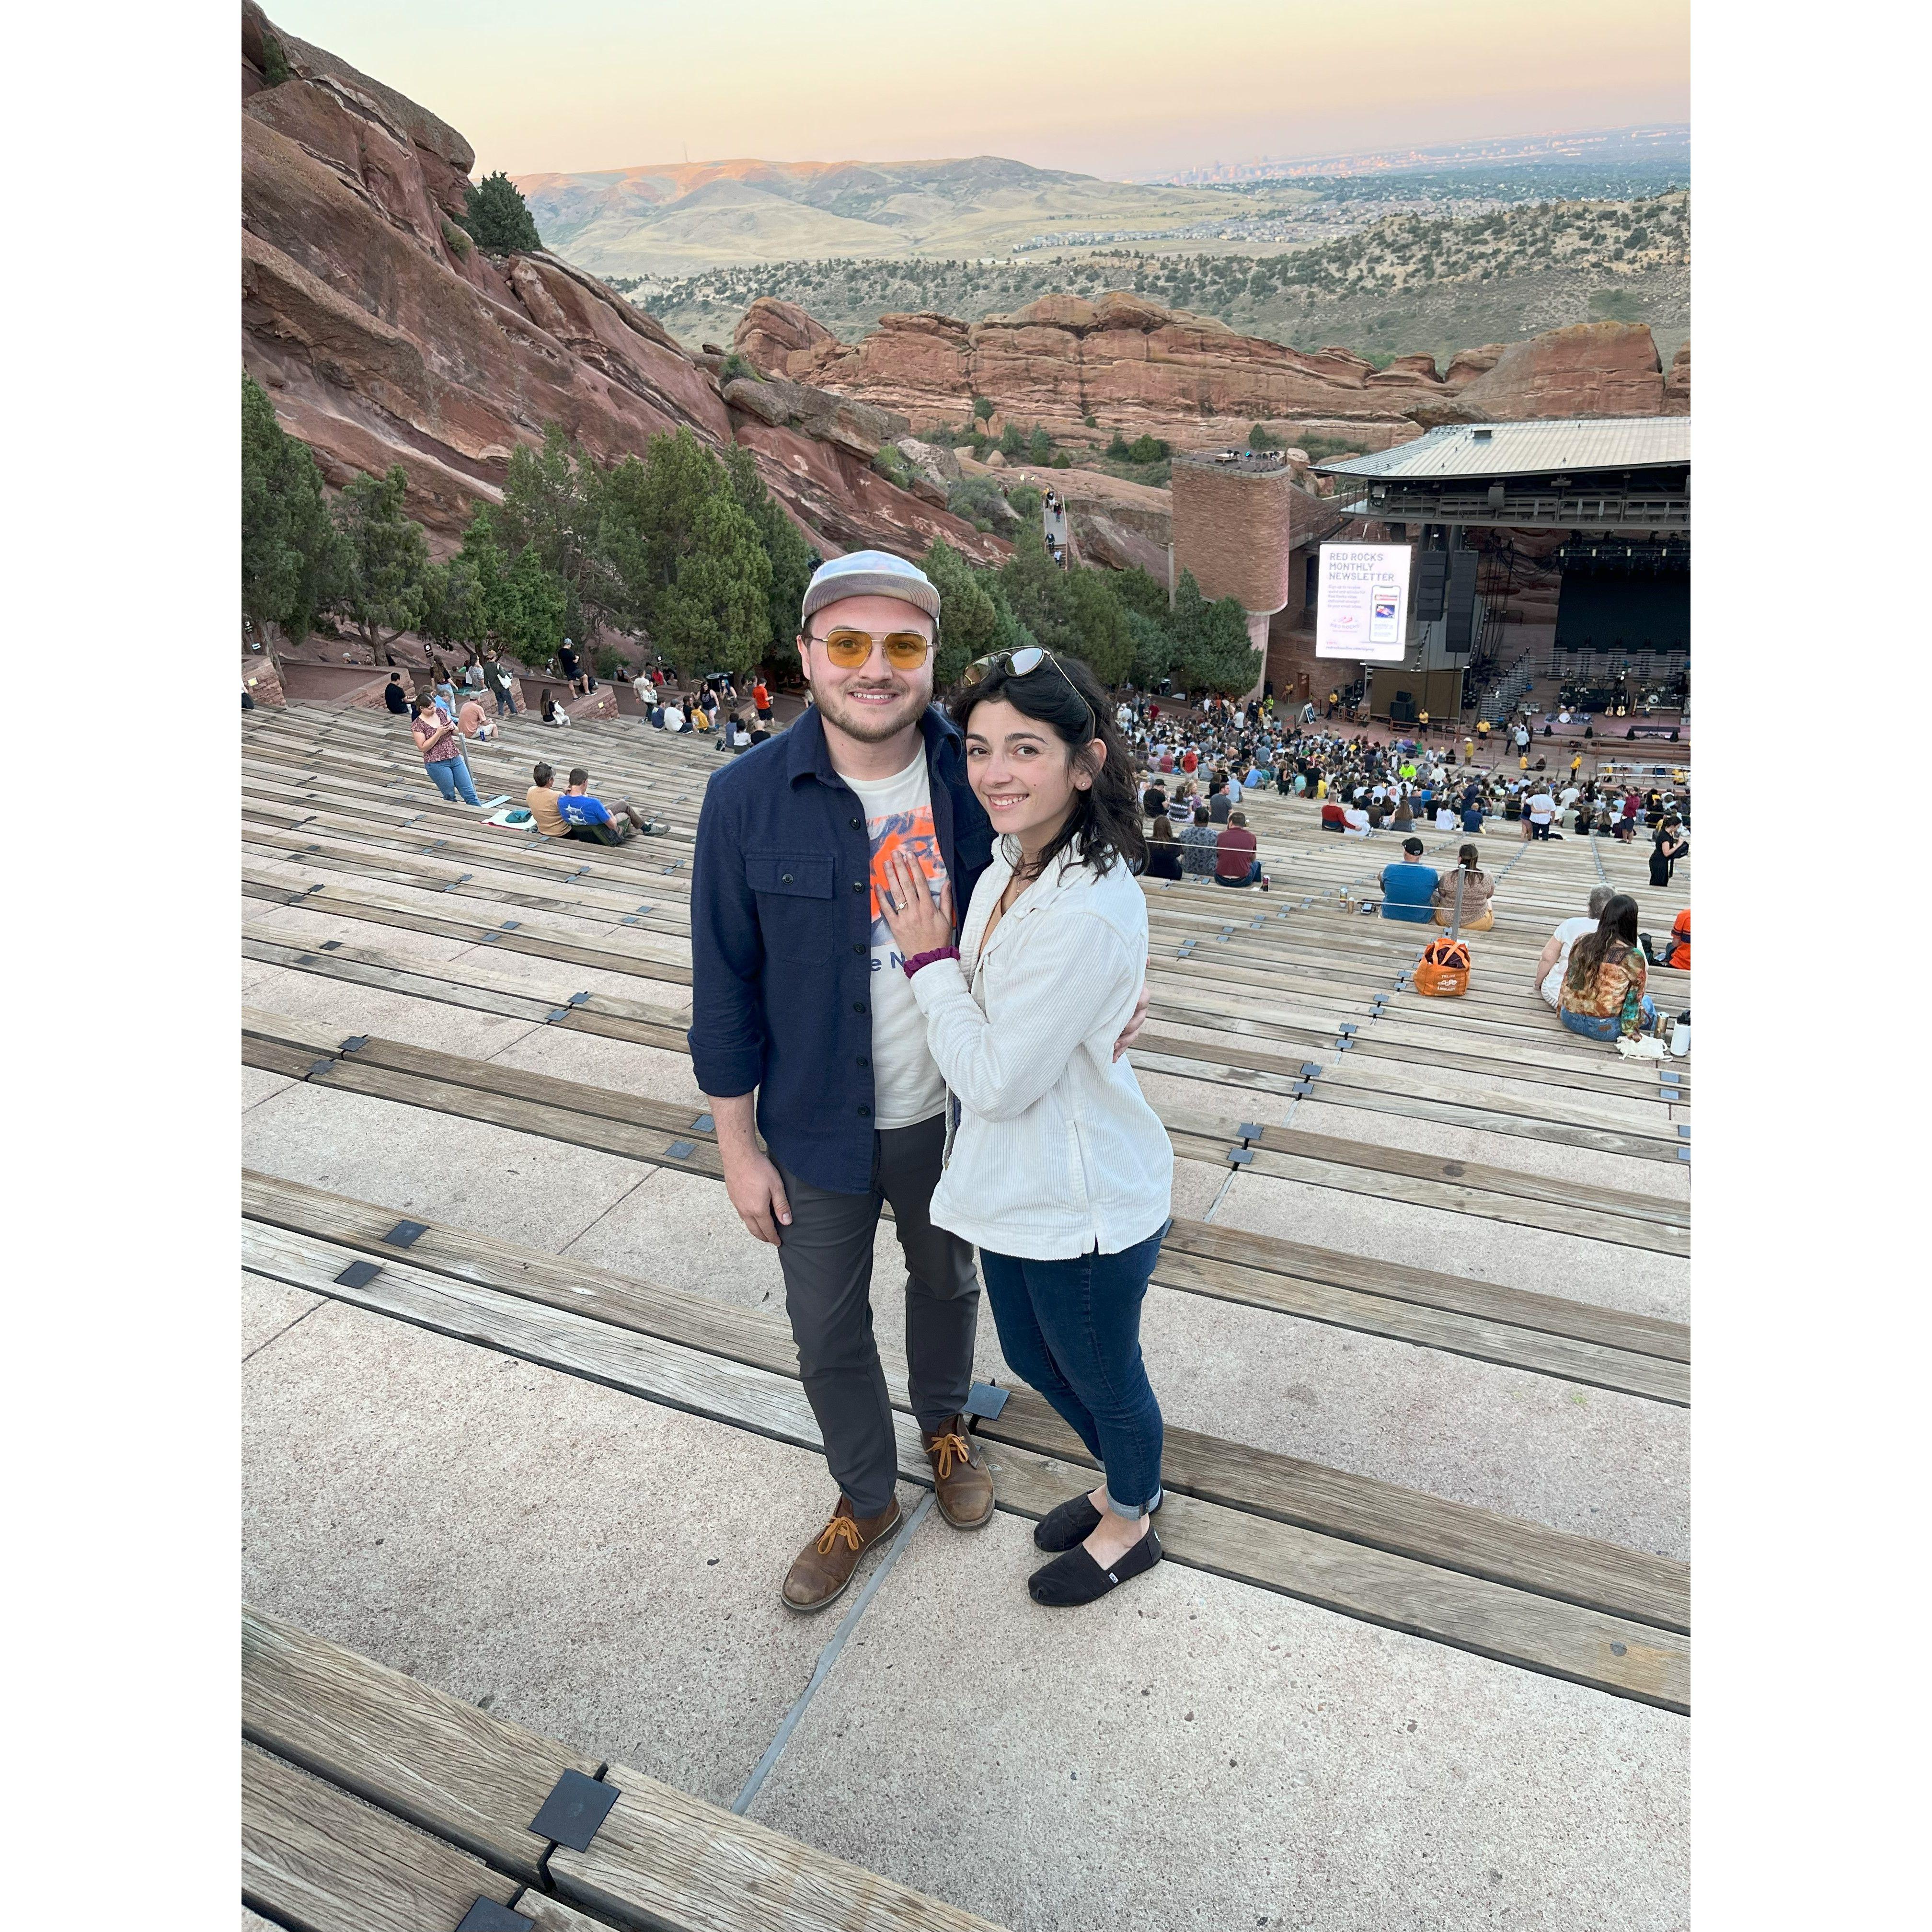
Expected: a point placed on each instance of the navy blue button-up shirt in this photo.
(781, 940)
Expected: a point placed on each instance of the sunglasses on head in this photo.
(1023, 663)
(848, 648)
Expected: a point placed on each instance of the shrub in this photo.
(891, 465)
(609, 664)
(459, 243)
(1091, 422)
(1258, 438)
(1040, 446)
(1063, 459)
(274, 62)
(1011, 443)
(1146, 449)
(982, 408)
(735, 366)
(1025, 500)
(1117, 448)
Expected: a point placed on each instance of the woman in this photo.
(1602, 996)
(1478, 914)
(1057, 1168)
(554, 713)
(1665, 850)
(1163, 860)
(1403, 817)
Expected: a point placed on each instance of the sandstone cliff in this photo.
(383, 336)
(1194, 381)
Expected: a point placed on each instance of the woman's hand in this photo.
(917, 925)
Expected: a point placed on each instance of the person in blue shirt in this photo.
(591, 820)
(1256, 777)
(1472, 814)
(1408, 888)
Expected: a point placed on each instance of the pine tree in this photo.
(385, 557)
(785, 549)
(495, 217)
(291, 556)
(969, 623)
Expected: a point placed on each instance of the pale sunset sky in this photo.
(1127, 89)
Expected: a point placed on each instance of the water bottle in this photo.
(1680, 1039)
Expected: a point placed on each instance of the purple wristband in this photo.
(920, 959)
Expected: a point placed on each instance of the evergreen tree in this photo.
(530, 609)
(1153, 657)
(969, 622)
(1037, 592)
(553, 504)
(385, 558)
(291, 556)
(497, 218)
(785, 549)
(455, 610)
(1100, 621)
(1212, 650)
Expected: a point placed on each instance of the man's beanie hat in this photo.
(870, 573)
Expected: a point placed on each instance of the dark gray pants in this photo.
(827, 1255)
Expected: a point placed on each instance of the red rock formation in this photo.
(1677, 382)
(1123, 359)
(383, 336)
(1590, 369)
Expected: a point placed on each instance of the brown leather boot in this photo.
(825, 1565)
(962, 1483)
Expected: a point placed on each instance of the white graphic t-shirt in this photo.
(908, 1086)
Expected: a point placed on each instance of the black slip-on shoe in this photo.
(1068, 1526)
(1074, 1578)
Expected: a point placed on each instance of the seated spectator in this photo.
(1472, 813)
(1408, 887)
(1677, 948)
(1403, 819)
(1155, 802)
(445, 693)
(1163, 850)
(1670, 846)
(734, 737)
(1201, 841)
(554, 713)
(1445, 817)
(1220, 804)
(1602, 995)
(1235, 863)
(590, 820)
(1355, 821)
(395, 699)
(471, 723)
(1333, 817)
(673, 717)
(542, 799)
(1378, 814)
(442, 747)
(1478, 914)
(1555, 956)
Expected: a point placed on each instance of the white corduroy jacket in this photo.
(1057, 1153)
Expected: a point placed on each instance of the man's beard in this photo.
(861, 722)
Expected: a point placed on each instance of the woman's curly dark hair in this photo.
(1062, 692)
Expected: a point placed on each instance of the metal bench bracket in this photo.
(574, 1810)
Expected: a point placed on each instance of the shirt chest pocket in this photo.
(795, 915)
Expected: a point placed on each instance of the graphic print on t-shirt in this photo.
(910, 832)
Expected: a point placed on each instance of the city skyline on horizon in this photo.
(590, 95)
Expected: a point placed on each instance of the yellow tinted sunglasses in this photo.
(905, 650)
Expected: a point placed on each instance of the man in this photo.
(1408, 888)
(394, 697)
(1220, 804)
(1548, 977)
(761, 702)
(503, 685)
(674, 716)
(568, 663)
(441, 747)
(1201, 844)
(591, 820)
(1422, 723)
(1235, 863)
(800, 996)
(1542, 809)
(1153, 802)
(471, 723)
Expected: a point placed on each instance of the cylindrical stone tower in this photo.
(1232, 528)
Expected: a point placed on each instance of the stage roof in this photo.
(1467, 450)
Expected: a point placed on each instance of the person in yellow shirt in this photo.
(1320, 789)
(1469, 751)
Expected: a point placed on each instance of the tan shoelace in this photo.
(951, 1449)
(839, 1526)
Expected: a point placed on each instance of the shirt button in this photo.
(785, 878)
(864, 1113)
(858, 825)
(858, 885)
(859, 1005)
(861, 948)
(863, 1061)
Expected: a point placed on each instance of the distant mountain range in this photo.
(1657, 141)
(679, 218)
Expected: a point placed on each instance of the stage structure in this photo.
(1615, 490)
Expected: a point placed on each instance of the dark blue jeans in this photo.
(1072, 1329)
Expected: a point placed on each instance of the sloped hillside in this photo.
(384, 336)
